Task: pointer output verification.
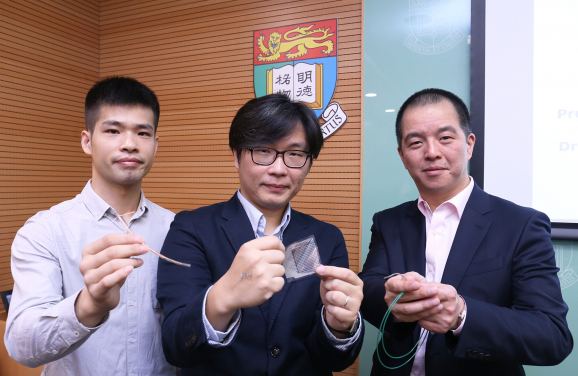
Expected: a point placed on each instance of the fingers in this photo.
(338, 299)
(424, 292)
(446, 292)
(95, 276)
(277, 284)
(110, 280)
(398, 284)
(273, 256)
(337, 314)
(341, 293)
(113, 252)
(109, 241)
(415, 311)
(267, 271)
(350, 289)
(336, 272)
(339, 283)
(413, 285)
(413, 276)
(266, 243)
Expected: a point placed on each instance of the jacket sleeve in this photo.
(397, 337)
(375, 268)
(324, 351)
(533, 329)
(181, 292)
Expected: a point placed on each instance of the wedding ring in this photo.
(346, 301)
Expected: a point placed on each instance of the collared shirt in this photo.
(441, 226)
(42, 326)
(258, 222)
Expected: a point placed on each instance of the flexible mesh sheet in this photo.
(301, 258)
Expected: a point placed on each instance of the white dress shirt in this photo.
(441, 227)
(258, 223)
(42, 326)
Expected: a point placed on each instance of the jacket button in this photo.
(191, 341)
(275, 351)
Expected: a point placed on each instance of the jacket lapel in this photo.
(237, 226)
(412, 231)
(471, 231)
(239, 231)
(293, 232)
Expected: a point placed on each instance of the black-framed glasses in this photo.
(266, 156)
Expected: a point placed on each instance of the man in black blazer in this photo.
(233, 312)
(478, 272)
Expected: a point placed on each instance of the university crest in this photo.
(434, 27)
(567, 275)
(300, 61)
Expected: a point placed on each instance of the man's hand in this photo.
(254, 276)
(105, 265)
(418, 301)
(338, 287)
(448, 317)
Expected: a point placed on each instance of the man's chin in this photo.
(273, 203)
(129, 179)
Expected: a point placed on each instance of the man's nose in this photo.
(432, 151)
(278, 166)
(129, 142)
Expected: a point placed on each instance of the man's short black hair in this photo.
(271, 118)
(118, 91)
(434, 96)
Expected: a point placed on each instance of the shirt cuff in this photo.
(342, 343)
(457, 331)
(214, 337)
(71, 330)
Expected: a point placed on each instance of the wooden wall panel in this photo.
(197, 56)
(49, 58)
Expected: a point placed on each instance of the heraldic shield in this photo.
(299, 61)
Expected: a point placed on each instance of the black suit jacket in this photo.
(283, 336)
(501, 262)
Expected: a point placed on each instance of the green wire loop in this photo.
(420, 342)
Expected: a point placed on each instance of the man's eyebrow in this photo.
(447, 128)
(413, 134)
(297, 145)
(120, 124)
(145, 126)
(112, 122)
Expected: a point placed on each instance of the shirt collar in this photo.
(98, 207)
(459, 201)
(255, 215)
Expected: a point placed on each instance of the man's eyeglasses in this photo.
(266, 156)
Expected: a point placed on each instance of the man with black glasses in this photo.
(233, 311)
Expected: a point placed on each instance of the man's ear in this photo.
(236, 158)
(400, 152)
(471, 142)
(85, 141)
(156, 144)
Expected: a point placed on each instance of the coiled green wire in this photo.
(420, 342)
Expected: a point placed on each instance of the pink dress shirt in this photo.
(440, 229)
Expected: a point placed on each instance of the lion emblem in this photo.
(301, 37)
